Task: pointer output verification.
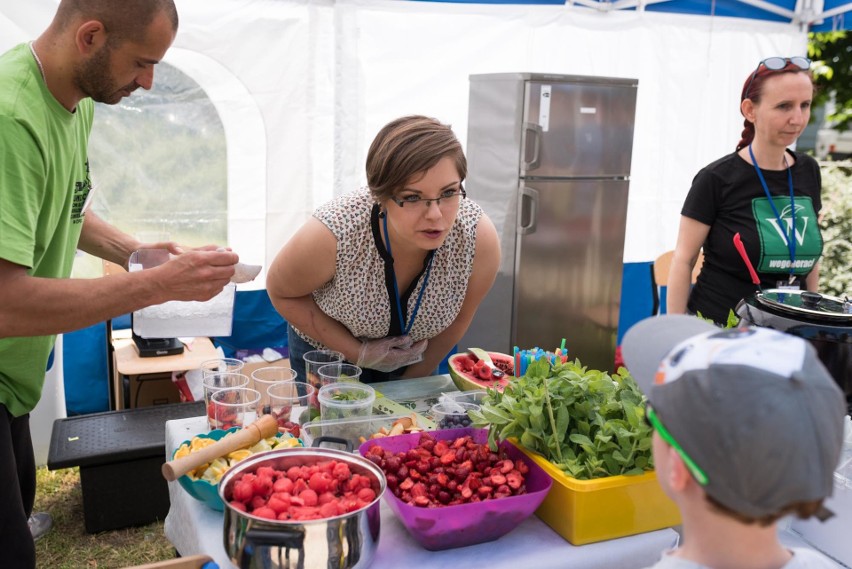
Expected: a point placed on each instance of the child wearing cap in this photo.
(748, 428)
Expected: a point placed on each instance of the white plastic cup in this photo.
(265, 377)
(217, 382)
(314, 360)
(221, 365)
(339, 373)
(234, 407)
(290, 404)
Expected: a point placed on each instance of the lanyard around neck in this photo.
(405, 328)
(791, 235)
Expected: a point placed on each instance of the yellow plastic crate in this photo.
(586, 511)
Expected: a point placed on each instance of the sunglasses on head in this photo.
(776, 64)
(653, 419)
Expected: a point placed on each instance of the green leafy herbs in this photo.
(588, 423)
(349, 396)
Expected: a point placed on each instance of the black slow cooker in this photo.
(825, 321)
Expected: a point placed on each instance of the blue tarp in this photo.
(84, 370)
(256, 325)
(833, 15)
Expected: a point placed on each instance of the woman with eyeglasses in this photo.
(390, 275)
(765, 192)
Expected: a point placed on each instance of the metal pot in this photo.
(343, 542)
(825, 321)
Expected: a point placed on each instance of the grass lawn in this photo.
(67, 545)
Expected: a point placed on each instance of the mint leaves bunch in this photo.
(588, 423)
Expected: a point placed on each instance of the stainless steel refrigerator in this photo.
(549, 161)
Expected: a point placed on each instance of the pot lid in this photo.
(803, 302)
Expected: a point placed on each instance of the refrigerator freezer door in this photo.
(578, 129)
(568, 266)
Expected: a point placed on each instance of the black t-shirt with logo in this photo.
(727, 195)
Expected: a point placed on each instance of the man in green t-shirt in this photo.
(94, 50)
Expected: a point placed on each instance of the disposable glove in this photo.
(389, 354)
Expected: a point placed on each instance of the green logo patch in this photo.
(774, 252)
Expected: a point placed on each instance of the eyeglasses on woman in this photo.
(448, 198)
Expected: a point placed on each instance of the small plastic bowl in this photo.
(452, 415)
(465, 524)
(203, 490)
(200, 489)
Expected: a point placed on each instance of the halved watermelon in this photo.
(468, 374)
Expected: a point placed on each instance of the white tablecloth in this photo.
(194, 528)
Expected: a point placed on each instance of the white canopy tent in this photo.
(302, 87)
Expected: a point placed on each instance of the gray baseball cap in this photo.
(753, 408)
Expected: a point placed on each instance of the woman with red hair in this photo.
(764, 191)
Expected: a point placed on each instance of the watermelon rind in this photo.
(464, 383)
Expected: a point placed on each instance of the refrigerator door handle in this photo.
(532, 132)
(527, 196)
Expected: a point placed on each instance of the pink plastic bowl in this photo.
(465, 524)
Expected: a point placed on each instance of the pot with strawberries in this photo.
(306, 508)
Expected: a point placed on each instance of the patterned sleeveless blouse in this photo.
(361, 295)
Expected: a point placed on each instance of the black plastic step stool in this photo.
(120, 454)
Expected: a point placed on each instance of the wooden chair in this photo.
(660, 277)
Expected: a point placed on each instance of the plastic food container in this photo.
(586, 511)
(452, 415)
(181, 318)
(353, 429)
(346, 401)
(465, 524)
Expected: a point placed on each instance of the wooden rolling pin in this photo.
(266, 426)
